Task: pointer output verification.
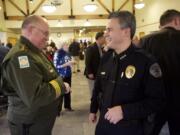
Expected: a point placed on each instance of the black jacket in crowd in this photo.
(165, 46)
(74, 48)
(3, 52)
(132, 80)
(92, 60)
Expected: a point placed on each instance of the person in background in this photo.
(135, 41)
(85, 44)
(81, 51)
(74, 50)
(89, 43)
(31, 82)
(92, 59)
(165, 46)
(63, 62)
(49, 52)
(54, 48)
(3, 98)
(3, 51)
(9, 45)
(128, 86)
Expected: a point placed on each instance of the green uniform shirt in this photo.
(33, 84)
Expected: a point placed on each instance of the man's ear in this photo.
(177, 21)
(127, 31)
(30, 30)
(160, 26)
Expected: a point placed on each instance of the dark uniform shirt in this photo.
(31, 83)
(131, 79)
(165, 46)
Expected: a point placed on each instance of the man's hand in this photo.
(68, 88)
(92, 117)
(91, 76)
(114, 114)
(70, 63)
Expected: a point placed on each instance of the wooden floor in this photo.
(72, 123)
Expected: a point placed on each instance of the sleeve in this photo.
(88, 61)
(142, 43)
(97, 93)
(27, 79)
(154, 96)
(55, 59)
(95, 97)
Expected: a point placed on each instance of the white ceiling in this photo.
(64, 10)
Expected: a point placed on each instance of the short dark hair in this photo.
(99, 34)
(52, 44)
(126, 20)
(9, 45)
(168, 16)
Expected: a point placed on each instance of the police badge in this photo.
(130, 71)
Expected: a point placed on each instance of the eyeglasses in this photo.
(45, 33)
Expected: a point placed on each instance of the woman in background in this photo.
(63, 62)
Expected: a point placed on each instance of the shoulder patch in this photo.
(155, 70)
(23, 62)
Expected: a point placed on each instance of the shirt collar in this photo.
(125, 53)
(28, 44)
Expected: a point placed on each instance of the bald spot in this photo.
(34, 20)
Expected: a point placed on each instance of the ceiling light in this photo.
(90, 7)
(139, 5)
(31, 1)
(48, 8)
(59, 24)
(87, 23)
(57, 2)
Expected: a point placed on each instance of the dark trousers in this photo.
(42, 126)
(67, 97)
(169, 115)
(121, 128)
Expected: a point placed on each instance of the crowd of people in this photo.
(133, 83)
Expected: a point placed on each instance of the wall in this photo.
(2, 22)
(4, 32)
(65, 37)
(148, 17)
(2, 25)
(3, 37)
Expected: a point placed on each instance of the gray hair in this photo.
(31, 20)
(126, 20)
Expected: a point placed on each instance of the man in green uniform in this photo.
(31, 82)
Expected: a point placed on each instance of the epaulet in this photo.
(23, 47)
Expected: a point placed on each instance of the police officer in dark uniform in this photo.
(128, 87)
(165, 46)
(31, 82)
